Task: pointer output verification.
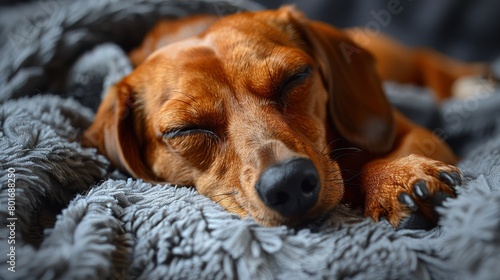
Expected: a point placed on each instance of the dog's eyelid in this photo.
(301, 72)
(295, 78)
(187, 131)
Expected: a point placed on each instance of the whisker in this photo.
(347, 213)
(344, 170)
(337, 157)
(352, 149)
(335, 180)
(343, 151)
(329, 144)
(347, 180)
(222, 199)
(222, 194)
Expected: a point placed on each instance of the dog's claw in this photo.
(408, 201)
(448, 179)
(451, 179)
(420, 190)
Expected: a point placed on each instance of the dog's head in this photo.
(242, 111)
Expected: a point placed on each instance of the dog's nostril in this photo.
(281, 198)
(291, 188)
(309, 184)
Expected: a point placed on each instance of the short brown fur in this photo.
(211, 109)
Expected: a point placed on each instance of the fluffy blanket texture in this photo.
(74, 219)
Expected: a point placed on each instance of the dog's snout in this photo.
(291, 188)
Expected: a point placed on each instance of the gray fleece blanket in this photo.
(65, 214)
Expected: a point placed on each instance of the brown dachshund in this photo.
(280, 118)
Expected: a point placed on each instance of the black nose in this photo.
(290, 187)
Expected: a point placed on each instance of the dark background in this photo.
(464, 29)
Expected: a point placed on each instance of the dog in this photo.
(281, 118)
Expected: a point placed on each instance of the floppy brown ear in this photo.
(357, 104)
(115, 132)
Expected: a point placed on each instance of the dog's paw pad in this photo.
(416, 220)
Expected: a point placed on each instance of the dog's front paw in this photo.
(425, 197)
(410, 190)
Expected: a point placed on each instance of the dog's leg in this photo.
(419, 66)
(440, 72)
(406, 185)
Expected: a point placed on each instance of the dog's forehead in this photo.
(228, 57)
(256, 30)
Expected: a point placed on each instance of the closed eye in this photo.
(195, 144)
(187, 131)
(294, 80)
